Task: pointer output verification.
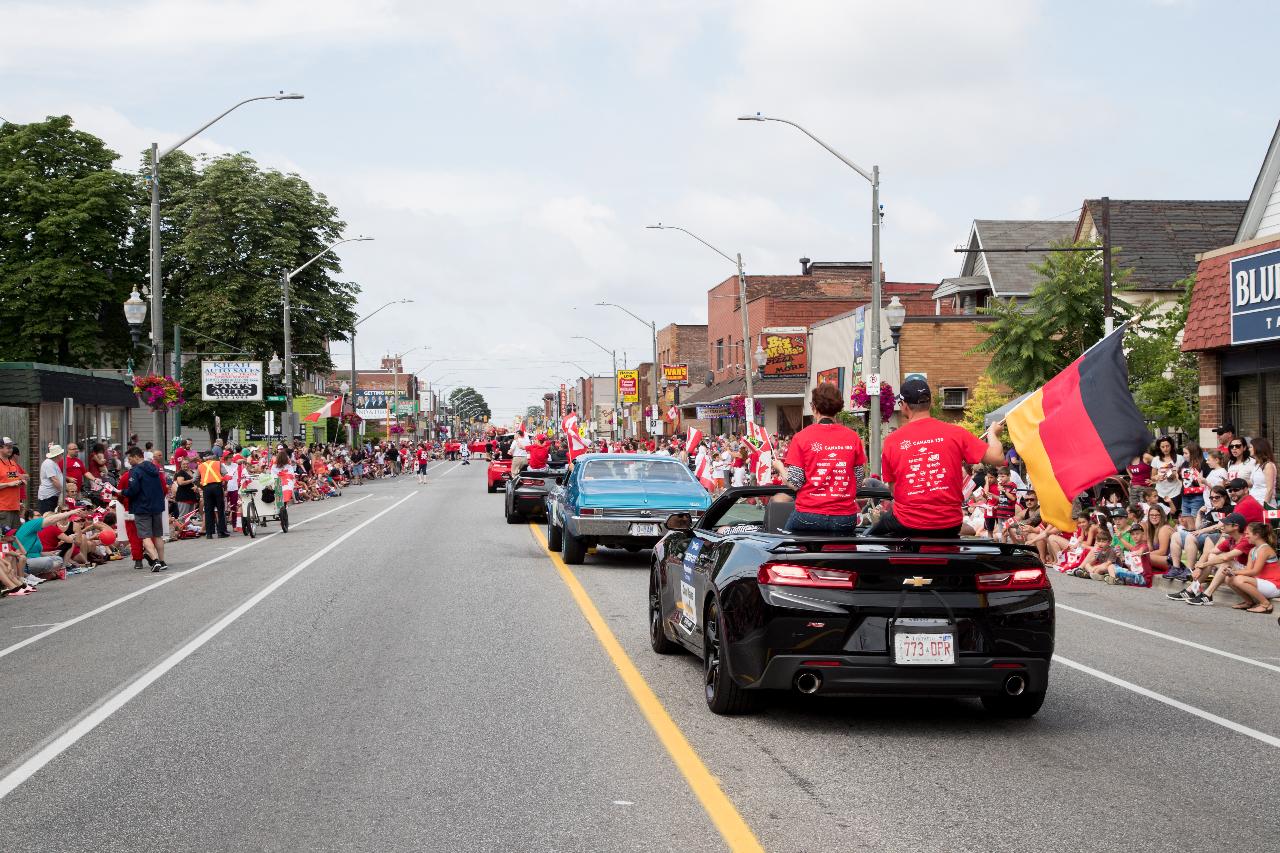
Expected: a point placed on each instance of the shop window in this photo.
(955, 398)
(720, 354)
(1243, 407)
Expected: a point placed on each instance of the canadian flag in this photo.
(702, 470)
(760, 436)
(577, 444)
(330, 409)
(1269, 514)
(695, 438)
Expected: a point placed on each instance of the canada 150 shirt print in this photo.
(828, 453)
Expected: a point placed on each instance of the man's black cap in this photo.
(1235, 484)
(915, 392)
(1231, 428)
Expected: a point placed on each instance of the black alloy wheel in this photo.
(284, 519)
(553, 536)
(724, 696)
(658, 639)
(249, 521)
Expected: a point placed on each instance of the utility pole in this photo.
(750, 406)
(1108, 321)
(873, 417)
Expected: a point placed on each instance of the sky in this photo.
(506, 157)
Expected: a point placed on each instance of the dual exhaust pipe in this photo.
(809, 683)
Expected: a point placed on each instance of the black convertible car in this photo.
(769, 610)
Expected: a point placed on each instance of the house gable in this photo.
(1262, 216)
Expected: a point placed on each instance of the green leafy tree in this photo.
(1030, 342)
(65, 268)
(1165, 381)
(231, 230)
(985, 399)
(468, 403)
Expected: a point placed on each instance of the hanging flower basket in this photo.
(351, 419)
(395, 429)
(861, 400)
(738, 407)
(159, 393)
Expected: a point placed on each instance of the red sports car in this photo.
(500, 465)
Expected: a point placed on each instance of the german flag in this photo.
(1080, 428)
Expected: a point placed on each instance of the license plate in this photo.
(932, 649)
(640, 529)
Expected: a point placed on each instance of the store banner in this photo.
(711, 411)
(629, 386)
(859, 332)
(1255, 298)
(675, 374)
(786, 352)
(373, 405)
(231, 381)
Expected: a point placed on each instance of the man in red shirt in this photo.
(923, 459)
(1245, 504)
(538, 453)
(824, 464)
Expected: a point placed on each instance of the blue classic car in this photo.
(619, 500)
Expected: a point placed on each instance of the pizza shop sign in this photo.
(1255, 298)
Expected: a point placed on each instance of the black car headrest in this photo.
(874, 489)
(776, 514)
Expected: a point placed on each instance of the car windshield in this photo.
(746, 514)
(636, 469)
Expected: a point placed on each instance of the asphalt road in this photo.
(405, 671)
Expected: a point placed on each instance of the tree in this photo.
(1032, 342)
(1165, 381)
(65, 269)
(467, 403)
(231, 231)
(984, 400)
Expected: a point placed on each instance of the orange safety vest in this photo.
(210, 472)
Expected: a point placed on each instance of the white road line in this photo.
(1269, 740)
(1171, 638)
(60, 626)
(104, 711)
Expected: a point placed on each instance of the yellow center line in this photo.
(733, 829)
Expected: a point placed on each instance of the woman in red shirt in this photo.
(824, 464)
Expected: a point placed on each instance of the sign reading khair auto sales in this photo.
(231, 381)
(675, 374)
(1255, 298)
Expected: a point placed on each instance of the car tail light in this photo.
(909, 560)
(789, 574)
(529, 481)
(837, 546)
(1015, 579)
(589, 510)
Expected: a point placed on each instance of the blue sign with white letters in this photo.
(1255, 298)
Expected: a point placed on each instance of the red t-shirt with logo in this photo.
(923, 459)
(827, 453)
(74, 469)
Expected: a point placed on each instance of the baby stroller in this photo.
(188, 526)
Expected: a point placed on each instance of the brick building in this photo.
(1233, 324)
(821, 290)
(681, 343)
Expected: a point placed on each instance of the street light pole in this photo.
(872, 177)
(617, 412)
(290, 417)
(653, 330)
(353, 344)
(742, 307)
(157, 288)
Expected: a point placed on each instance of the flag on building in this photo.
(331, 409)
(695, 438)
(1072, 439)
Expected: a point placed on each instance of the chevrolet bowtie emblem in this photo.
(917, 581)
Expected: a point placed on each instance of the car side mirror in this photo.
(680, 521)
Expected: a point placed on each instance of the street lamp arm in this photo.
(174, 147)
(620, 308)
(843, 159)
(661, 227)
(325, 251)
(600, 345)
(388, 305)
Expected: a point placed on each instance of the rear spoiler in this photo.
(881, 545)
